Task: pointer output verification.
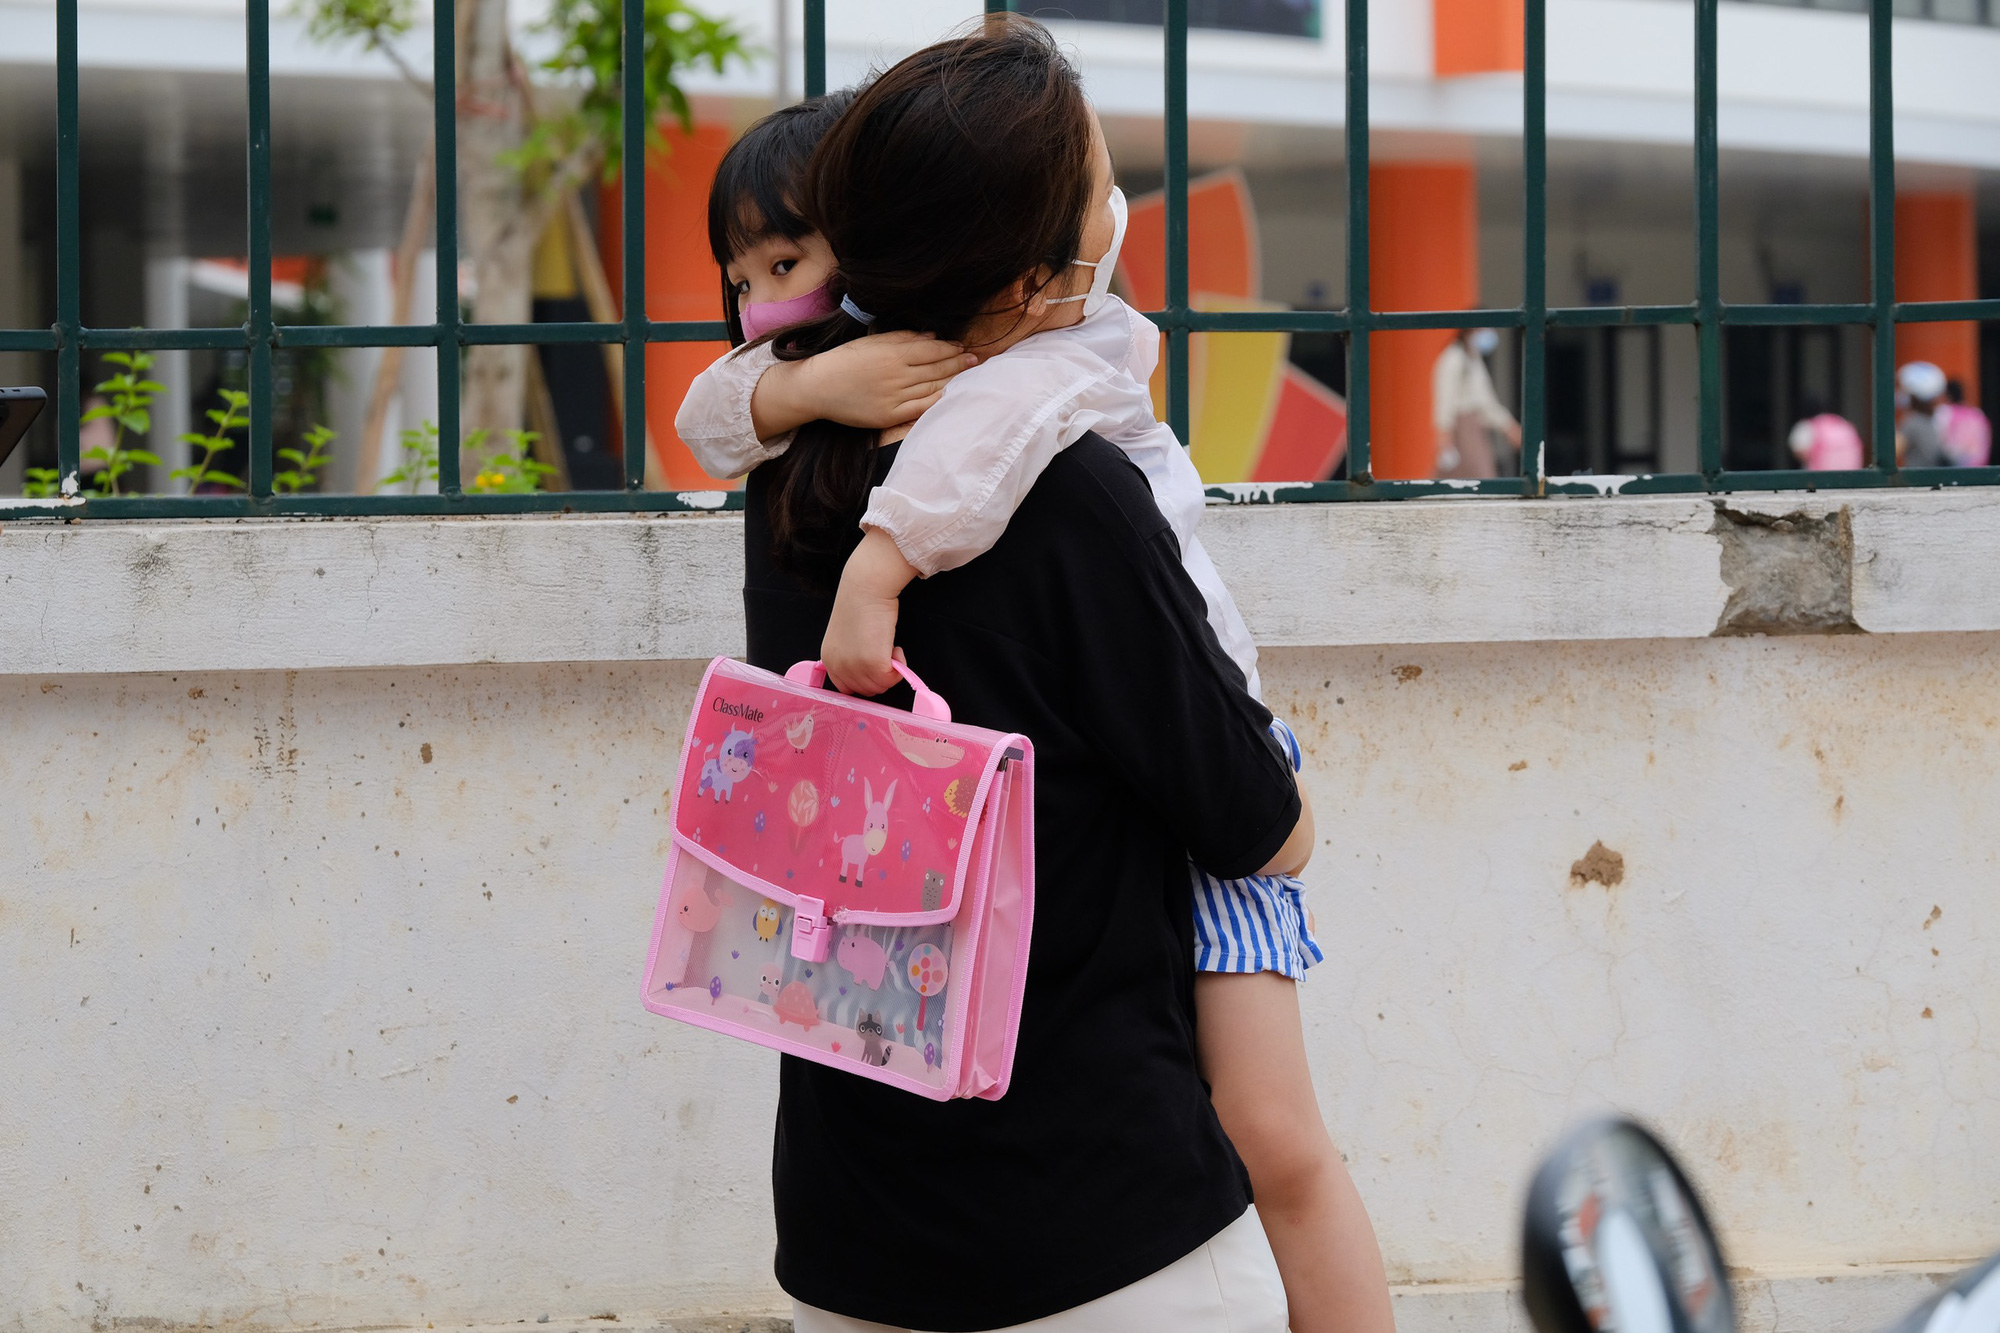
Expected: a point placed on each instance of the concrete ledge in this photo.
(300, 595)
(1860, 1300)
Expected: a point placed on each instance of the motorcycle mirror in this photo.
(1969, 1305)
(1616, 1241)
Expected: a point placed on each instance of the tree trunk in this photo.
(389, 370)
(492, 121)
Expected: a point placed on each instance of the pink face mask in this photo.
(762, 317)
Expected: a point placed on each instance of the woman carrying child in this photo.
(960, 193)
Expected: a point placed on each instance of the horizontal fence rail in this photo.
(260, 337)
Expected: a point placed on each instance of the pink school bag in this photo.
(848, 882)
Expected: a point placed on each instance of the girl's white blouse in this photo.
(971, 459)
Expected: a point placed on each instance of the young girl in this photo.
(947, 499)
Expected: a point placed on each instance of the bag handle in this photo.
(929, 703)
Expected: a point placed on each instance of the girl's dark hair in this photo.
(954, 176)
(758, 183)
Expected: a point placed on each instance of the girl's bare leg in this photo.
(1253, 1053)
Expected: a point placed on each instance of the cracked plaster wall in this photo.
(321, 987)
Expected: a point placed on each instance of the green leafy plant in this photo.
(589, 37)
(306, 463)
(509, 470)
(420, 459)
(376, 23)
(41, 483)
(234, 414)
(130, 409)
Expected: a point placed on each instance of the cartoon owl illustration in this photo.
(767, 921)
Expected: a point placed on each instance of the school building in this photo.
(163, 199)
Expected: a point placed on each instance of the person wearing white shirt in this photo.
(1465, 410)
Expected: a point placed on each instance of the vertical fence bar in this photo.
(444, 112)
(69, 255)
(1882, 235)
(263, 401)
(1708, 246)
(1358, 463)
(1535, 256)
(632, 234)
(815, 48)
(1177, 221)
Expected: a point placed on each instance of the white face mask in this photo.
(1102, 268)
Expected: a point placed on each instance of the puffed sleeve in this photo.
(714, 420)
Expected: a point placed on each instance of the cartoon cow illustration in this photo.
(856, 848)
(720, 775)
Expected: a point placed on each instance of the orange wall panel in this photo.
(681, 281)
(1476, 36)
(1423, 239)
(1937, 252)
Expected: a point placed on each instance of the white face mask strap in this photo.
(1103, 266)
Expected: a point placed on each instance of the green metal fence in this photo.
(260, 336)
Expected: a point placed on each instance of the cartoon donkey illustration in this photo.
(856, 848)
(720, 775)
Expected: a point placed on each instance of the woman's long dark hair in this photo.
(758, 185)
(955, 175)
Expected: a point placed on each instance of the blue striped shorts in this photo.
(1256, 924)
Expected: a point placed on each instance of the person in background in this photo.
(1824, 441)
(1465, 409)
(1919, 443)
(1968, 435)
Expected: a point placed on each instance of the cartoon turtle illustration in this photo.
(795, 1005)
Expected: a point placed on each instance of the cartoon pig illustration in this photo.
(856, 848)
(864, 958)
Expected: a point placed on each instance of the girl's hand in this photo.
(861, 637)
(887, 379)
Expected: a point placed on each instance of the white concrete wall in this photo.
(321, 984)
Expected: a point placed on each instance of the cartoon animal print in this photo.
(795, 1005)
(767, 921)
(799, 732)
(933, 890)
(696, 907)
(720, 775)
(862, 956)
(925, 751)
(868, 1027)
(856, 848)
(771, 981)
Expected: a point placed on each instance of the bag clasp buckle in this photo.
(812, 930)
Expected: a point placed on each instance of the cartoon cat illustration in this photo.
(863, 957)
(720, 775)
(868, 1027)
(856, 848)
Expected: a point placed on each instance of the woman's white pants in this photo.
(1229, 1285)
